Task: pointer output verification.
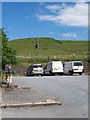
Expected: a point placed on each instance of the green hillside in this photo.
(57, 49)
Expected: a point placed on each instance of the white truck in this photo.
(73, 67)
(53, 67)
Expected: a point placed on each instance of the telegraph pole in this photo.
(36, 46)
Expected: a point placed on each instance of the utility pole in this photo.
(36, 46)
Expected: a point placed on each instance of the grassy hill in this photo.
(55, 49)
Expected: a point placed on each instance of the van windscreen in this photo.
(77, 64)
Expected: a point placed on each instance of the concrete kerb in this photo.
(32, 104)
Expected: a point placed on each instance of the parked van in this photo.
(53, 67)
(73, 67)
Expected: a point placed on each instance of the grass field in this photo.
(49, 49)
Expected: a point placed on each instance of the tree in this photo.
(0, 52)
(8, 55)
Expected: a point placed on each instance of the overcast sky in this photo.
(59, 20)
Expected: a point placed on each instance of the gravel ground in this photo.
(71, 90)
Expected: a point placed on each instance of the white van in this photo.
(73, 67)
(53, 67)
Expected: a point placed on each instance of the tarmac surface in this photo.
(72, 91)
(22, 95)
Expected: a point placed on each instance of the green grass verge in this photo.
(49, 49)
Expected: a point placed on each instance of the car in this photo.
(35, 69)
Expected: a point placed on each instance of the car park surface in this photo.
(71, 90)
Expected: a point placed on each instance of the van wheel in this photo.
(50, 73)
(80, 73)
(70, 73)
(44, 73)
(61, 74)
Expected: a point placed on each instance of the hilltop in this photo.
(48, 47)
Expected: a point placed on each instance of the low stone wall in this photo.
(19, 70)
(87, 68)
